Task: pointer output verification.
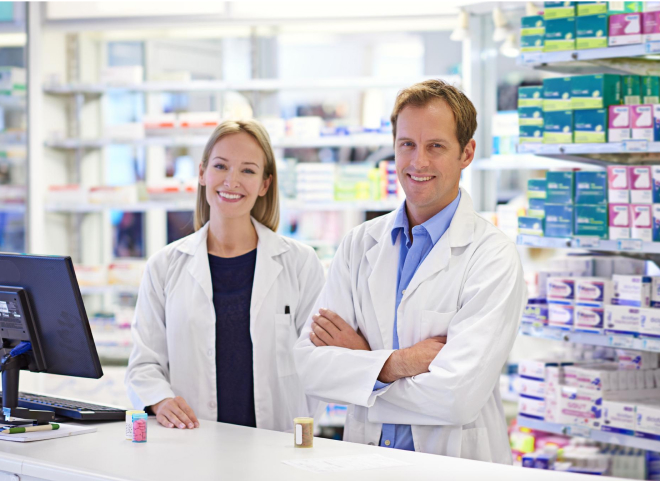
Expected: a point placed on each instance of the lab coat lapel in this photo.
(267, 268)
(459, 233)
(198, 267)
(383, 257)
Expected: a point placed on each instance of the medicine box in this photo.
(530, 96)
(591, 32)
(530, 134)
(560, 288)
(595, 91)
(642, 122)
(642, 222)
(528, 225)
(556, 94)
(537, 368)
(650, 317)
(558, 9)
(622, 319)
(536, 188)
(631, 89)
(590, 126)
(560, 187)
(591, 220)
(582, 407)
(532, 388)
(559, 34)
(625, 7)
(647, 424)
(619, 123)
(590, 187)
(558, 127)
(535, 313)
(656, 123)
(619, 220)
(532, 25)
(618, 184)
(656, 223)
(530, 116)
(531, 408)
(625, 29)
(561, 314)
(651, 26)
(641, 184)
(589, 318)
(655, 177)
(532, 43)
(595, 291)
(651, 88)
(618, 417)
(633, 291)
(536, 208)
(591, 8)
(559, 220)
(651, 7)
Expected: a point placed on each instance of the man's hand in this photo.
(412, 360)
(175, 412)
(328, 329)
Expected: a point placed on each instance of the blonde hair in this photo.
(423, 93)
(266, 210)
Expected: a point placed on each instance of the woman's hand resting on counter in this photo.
(175, 412)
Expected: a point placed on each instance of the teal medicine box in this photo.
(591, 31)
(591, 8)
(558, 220)
(631, 89)
(590, 126)
(558, 127)
(532, 43)
(532, 25)
(650, 89)
(556, 94)
(536, 208)
(595, 91)
(559, 35)
(560, 187)
(530, 96)
(530, 134)
(591, 187)
(591, 220)
(536, 188)
(558, 9)
(530, 116)
(528, 225)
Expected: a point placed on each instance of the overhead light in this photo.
(502, 29)
(510, 46)
(460, 32)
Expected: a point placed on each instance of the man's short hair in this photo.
(423, 93)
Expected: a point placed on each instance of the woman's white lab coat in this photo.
(471, 289)
(174, 328)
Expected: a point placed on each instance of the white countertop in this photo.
(218, 451)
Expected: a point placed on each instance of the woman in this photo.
(218, 311)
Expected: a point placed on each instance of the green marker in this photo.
(30, 429)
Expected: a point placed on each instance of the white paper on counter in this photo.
(345, 463)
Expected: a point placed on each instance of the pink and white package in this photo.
(641, 184)
(625, 29)
(618, 123)
(619, 221)
(641, 120)
(642, 222)
(618, 184)
(651, 26)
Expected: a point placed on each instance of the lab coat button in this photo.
(387, 442)
(210, 353)
(212, 404)
(403, 292)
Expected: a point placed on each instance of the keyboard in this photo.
(78, 410)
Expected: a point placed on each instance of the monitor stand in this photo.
(13, 414)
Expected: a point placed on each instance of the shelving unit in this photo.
(11, 207)
(525, 161)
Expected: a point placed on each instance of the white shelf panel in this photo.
(527, 162)
(12, 208)
(607, 340)
(110, 289)
(594, 434)
(255, 85)
(630, 246)
(533, 59)
(356, 140)
(628, 147)
(295, 205)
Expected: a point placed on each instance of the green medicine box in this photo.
(591, 220)
(536, 208)
(530, 134)
(631, 89)
(558, 220)
(532, 25)
(624, 7)
(591, 31)
(556, 94)
(530, 96)
(532, 43)
(559, 34)
(558, 127)
(530, 116)
(560, 187)
(529, 225)
(591, 8)
(595, 91)
(536, 188)
(590, 126)
(650, 89)
(590, 187)
(558, 9)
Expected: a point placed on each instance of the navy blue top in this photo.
(232, 290)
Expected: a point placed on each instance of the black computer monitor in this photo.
(40, 303)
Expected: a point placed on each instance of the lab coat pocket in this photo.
(285, 338)
(475, 445)
(435, 324)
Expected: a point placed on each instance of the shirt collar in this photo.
(436, 226)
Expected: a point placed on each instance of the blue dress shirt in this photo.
(411, 256)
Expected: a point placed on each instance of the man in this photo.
(421, 306)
